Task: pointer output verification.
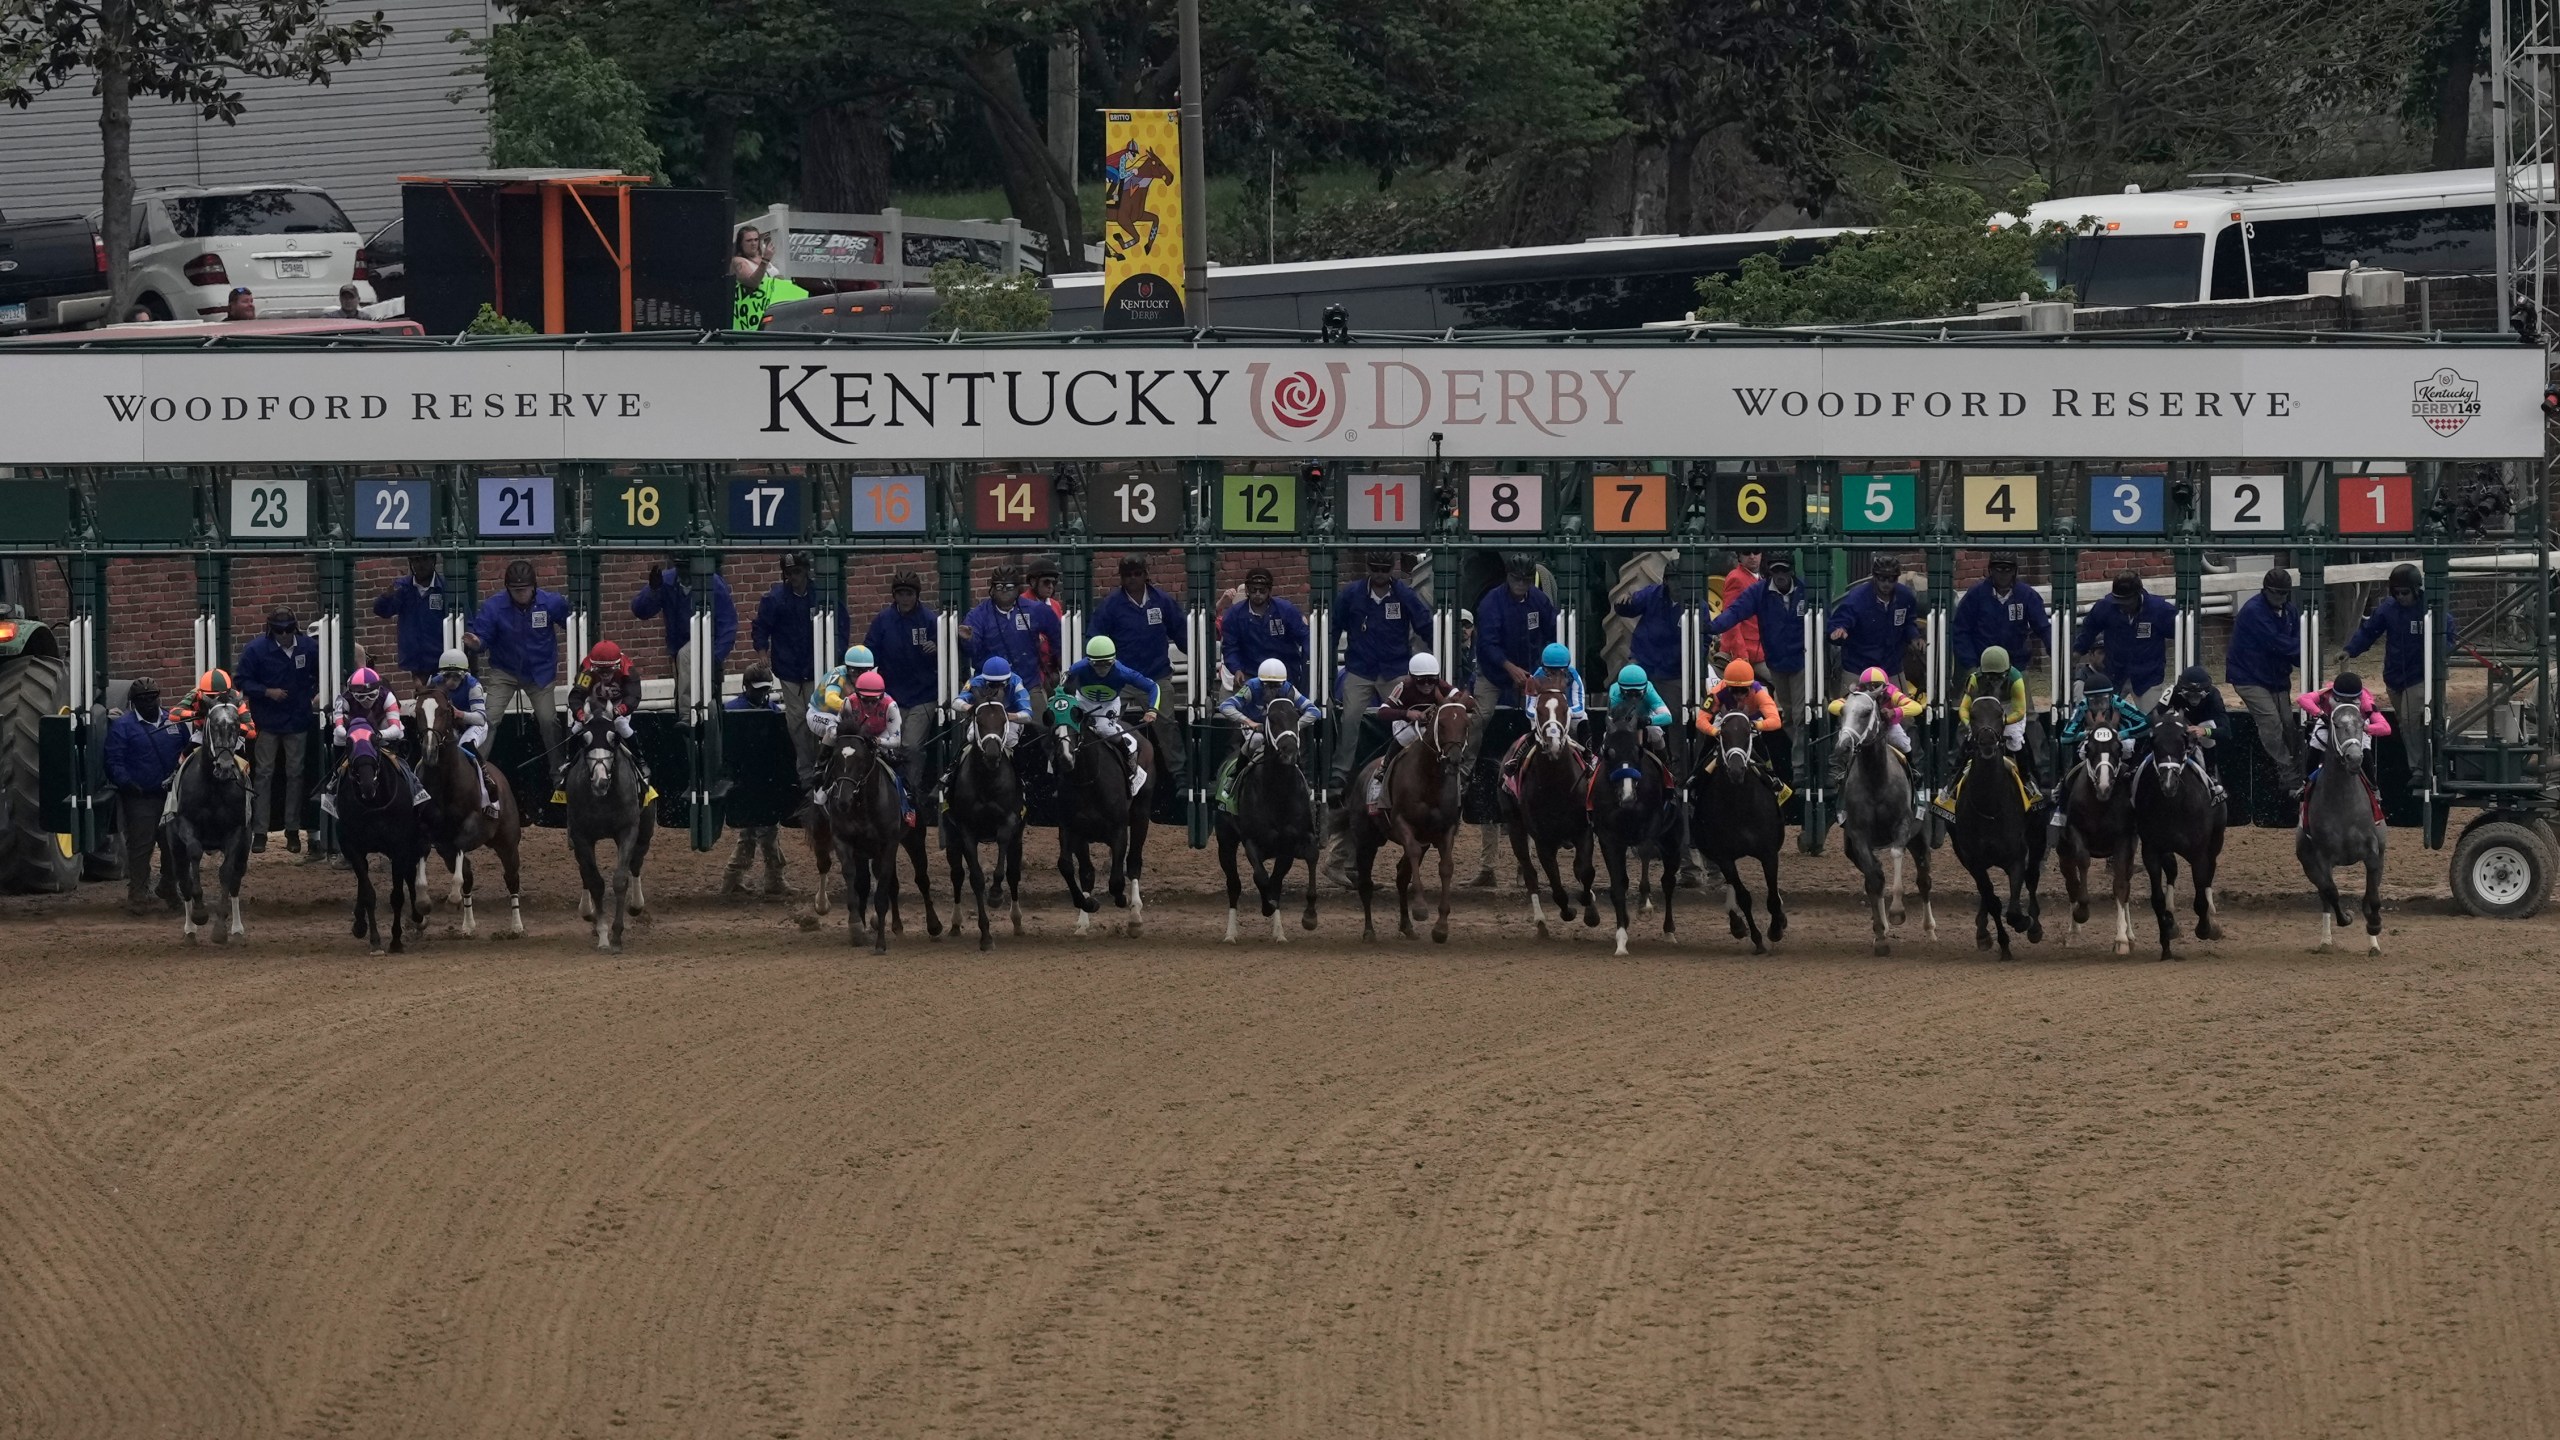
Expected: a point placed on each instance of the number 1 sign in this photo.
(2375, 505)
(1382, 504)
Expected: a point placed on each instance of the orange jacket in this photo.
(1742, 642)
(1751, 699)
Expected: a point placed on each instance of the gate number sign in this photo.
(2375, 505)
(395, 509)
(1631, 504)
(1390, 504)
(1871, 503)
(1134, 505)
(1757, 504)
(2128, 505)
(641, 507)
(1998, 503)
(515, 507)
(765, 505)
(1009, 504)
(270, 510)
(2245, 504)
(1502, 504)
(1258, 505)
(887, 505)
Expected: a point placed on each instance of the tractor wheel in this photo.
(32, 858)
(2502, 870)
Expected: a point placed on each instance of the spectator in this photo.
(2400, 623)
(2136, 627)
(2266, 648)
(1260, 628)
(901, 641)
(143, 745)
(242, 305)
(417, 601)
(755, 692)
(1147, 625)
(1742, 642)
(1875, 624)
(2000, 611)
(783, 634)
(350, 307)
(665, 594)
(280, 673)
(1003, 624)
(141, 316)
(519, 630)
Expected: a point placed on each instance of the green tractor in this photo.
(34, 683)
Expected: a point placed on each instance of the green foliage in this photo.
(1938, 252)
(977, 299)
(555, 104)
(490, 322)
(189, 52)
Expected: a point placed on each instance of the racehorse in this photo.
(824, 847)
(606, 803)
(1127, 208)
(2177, 815)
(1992, 832)
(377, 815)
(456, 826)
(1422, 812)
(1544, 810)
(1096, 808)
(865, 821)
(213, 815)
(2097, 815)
(1273, 818)
(1737, 815)
(983, 806)
(1634, 811)
(1877, 819)
(2338, 828)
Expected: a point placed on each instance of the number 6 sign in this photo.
(1506, 504)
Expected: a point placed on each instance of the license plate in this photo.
(13, 314)
(293, 269)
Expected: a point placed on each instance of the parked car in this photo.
(289, 244)
(383, 262)
(53, 274)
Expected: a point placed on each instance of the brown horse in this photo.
(457, 825)
(1422, 813)
(1545, 809)
(1126, 209)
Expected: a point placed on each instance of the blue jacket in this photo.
(143, 756)
(1656, 643)
(902, 646)
(1014, 634)
(421, 615)
(1252, 700)
(266, 665)
(2400, 628)
(676, 603)
(1379, 632)
(1279, 633)
(1145, 630)
(781, 633)
(2018, 624)
(1512, 632)
(740, 701)
(1781, 620)
(1017, 696)
(2266, 647)
(2137, 644)
(525, 643)
(1878, 633)
(469, 696)
(1095, 683)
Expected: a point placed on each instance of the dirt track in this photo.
(740, 1182)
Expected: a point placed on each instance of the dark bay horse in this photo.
(2097, 815)
(983, 806)
(457, 825)
(1877, 821)
(1421, 813)
(826, 847)
(1635, 814)
(1096, 808)
(213, 816)
(1544, 811)
(2175, 814)
(1273, 820)
(2338, 828)
(1736, 815)
(378, 815)
(606, 803)
(1992, 832)
(866, 824)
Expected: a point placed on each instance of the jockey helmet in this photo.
(1273, 671)
(213, 682)
(1101, 648)
(870, 684)
(1555, 656)
(1875, 675)
(605, 655)
(453, 660)
(996, 668)
(1633, 677)
(2094, 680)
(364, 676)
(1737, 672)
(859, 657)
(1995, 660)
(2348, 685)
(905, 580)
(1424, 663)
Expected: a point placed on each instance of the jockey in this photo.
(996, 681)
(827, 697)
(608, 676)
(367, 708)
(873, 712)
(470, 702)
(1407, 707)
(2101, 705)
(1894, 707)
(1632, 680)
(1092, 686)
(2197, 703)
(1554, 663)
(213, 688)
(2347, 688)
(1995, 678)
(1739, 689)
(1248, 706)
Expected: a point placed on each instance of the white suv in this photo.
(289, 244)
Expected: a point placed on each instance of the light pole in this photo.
(1195, 176)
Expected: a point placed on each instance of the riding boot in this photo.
(1484, 879)
(1945, 803)
(1337, 829)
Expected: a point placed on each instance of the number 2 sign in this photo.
(1506, 504)
(2245, 504)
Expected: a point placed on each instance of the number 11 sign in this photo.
(1382, 504)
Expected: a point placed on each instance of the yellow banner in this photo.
(1142, 258)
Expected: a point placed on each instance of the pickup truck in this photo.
(53, 274)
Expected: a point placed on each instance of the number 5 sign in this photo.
(1506, 504)
(1880, 503)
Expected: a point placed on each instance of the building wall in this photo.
(379, 119)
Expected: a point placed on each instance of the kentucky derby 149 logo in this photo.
(2446, 401)
(1298, 406)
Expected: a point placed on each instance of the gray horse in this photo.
(2338, 828)
(1878, 819)
(606, 803)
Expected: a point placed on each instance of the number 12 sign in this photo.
(1382, 504)
(1258, 505)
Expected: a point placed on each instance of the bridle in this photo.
(1737, 753)
(2098, 752)
(2347, 740)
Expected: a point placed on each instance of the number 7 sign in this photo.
(1631, 504)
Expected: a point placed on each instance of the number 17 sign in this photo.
(1382, 504)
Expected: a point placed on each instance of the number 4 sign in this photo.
(2001, 503)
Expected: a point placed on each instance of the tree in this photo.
(555, 104)
(976, 298)
(1939, 252)
(188, 52)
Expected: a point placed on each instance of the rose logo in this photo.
(1306, 406)
(1297, 401)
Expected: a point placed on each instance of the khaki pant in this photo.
(2273, 717)
(1787, 688)
(682, 660)
(1359, 692)
(2409, 720)
(270, 754)
(1488, 698)
(915, 727)
(504, 689)
(795, 722)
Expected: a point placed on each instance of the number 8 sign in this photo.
(1506, 504)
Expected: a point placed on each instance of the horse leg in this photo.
(1893, 910)
(404, 887)
(923, 866)
(188, 864)
(235, 867)
(510, 858)
(1009, 860)
(2120, 878)
(884, 896)
(1616, 856)
(1871, 867)
(1235, 882)
(591, 888)
(2164, 892)
(1545, 859)
(1769, 882)
(1986, 901)
(366, 927)
(2373, 901)
(1584, 876)
(1448, 867)
(1925, 881)
(1281, 861)
(1363, 863)
(2075, 883)
(2200, 871)
(1407, 873)
(1315, 847)
(1738, 916)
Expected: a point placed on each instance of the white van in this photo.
(289, 244)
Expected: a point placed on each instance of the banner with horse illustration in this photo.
(1142, 257)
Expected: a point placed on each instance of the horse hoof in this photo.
(1884, 947)
(1439, 934)
(2035, 931)
(2123, 948)
(986, 943)
(1307, 921)
(375, 948)
(1757, 948)
(933, 927)
(2079, 913)
(2373, 946)
(1734, 923)
(807, 922)
(1542, 931)
(1981, 941)
(1622, 941)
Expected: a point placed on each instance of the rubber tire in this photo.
(2495, 837)
(31, 858)
(158, 307)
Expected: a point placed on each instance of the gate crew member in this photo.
(1041, 582)
(665, 593)
(2266, 647)
(1013, 625)
(2136, 626)
(1743, 641)
(755, 692)
(1655, 643)
(1514, 622)
(1259, 628)
(417, 601)
(1875, 624)
(901, 641)
(1142, 622)
(1378, 619)
(280, 673)
(1776, 604)
(143, 744)
(519, 630)
(2399, 622)
(782, 635)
